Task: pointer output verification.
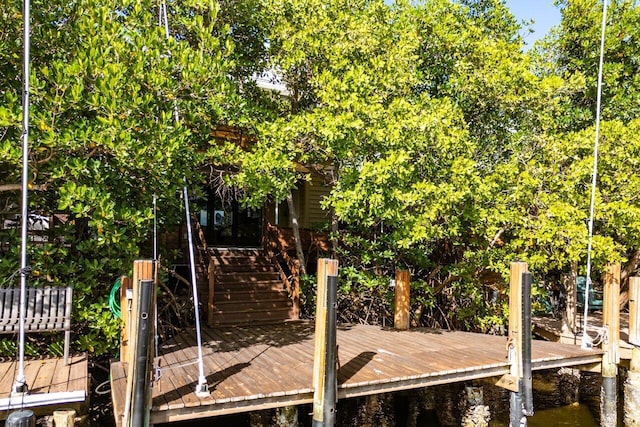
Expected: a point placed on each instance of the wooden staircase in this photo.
(247, 289)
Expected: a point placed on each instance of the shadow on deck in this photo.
(261, 367)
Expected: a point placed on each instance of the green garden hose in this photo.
(114, 298)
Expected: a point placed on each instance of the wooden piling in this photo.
(568, 386)
(513, 380)
(632, 384)
(323, 366)
(142, 270)
(64, 418)
(515, 311)
(476, 414)
(286, 417)
(402, 300)
(611, 357)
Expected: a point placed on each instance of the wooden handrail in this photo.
(274, 248)
(207, 260)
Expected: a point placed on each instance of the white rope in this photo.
(586, 340)
(20, 380)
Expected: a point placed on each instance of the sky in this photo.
(543, 12)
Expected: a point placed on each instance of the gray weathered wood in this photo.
(48, 309)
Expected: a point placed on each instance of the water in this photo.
(575, 415)
(565, 416)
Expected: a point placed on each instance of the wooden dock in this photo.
(262, 367)
(52, 385)
(550, 328)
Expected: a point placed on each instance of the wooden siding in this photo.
(314, 192)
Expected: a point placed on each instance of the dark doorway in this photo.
(226, 223)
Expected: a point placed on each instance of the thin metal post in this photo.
(155, 229)
(20, 382)
(202, 389)
(331, 381)
(527, 379)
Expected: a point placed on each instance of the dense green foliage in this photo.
(449, 149)
(104, 139)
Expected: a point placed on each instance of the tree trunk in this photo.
(296, 233)
(569, 314)
(628, 271)
(334, 234)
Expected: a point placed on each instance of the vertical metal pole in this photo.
(140, 405)
(155, 229)
(20, 381)
(202, 389)
(331, 380)
(527, 380)
(517, 418)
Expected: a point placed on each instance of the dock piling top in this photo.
(611, 319)
(402, 300)
(515, 312)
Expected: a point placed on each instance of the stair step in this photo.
(244, 268)
(220, 260)
(232, 253)
(221, 318)
(248, 289)
(249, 295)
(246, 277)
(252, 305)
(265, 285)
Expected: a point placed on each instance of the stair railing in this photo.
(205, 258)
(279, 257)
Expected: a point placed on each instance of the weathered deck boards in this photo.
(44, 377)
(263, 367)
(550, 328)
